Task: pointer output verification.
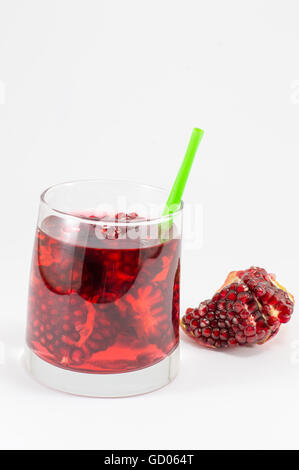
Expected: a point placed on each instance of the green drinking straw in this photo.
(176, 193)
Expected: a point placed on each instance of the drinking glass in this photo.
(103, 310)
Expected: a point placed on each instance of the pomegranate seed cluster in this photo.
(247, 310)
(275, 302)
(109, 232)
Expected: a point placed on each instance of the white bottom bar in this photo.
(103, 385)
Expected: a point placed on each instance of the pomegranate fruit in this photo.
(249, 308)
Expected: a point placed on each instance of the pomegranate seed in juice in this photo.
(102, 304)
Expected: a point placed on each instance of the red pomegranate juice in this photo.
(101, 303)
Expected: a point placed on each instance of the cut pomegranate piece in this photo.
(248, 309)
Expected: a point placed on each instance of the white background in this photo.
(112, 89)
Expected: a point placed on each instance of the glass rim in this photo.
(86, 219)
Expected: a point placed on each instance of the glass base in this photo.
(103, 385)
